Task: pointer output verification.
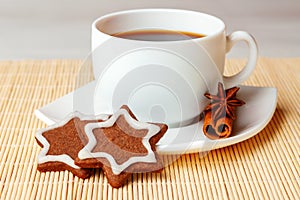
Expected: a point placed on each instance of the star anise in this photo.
(224, 103)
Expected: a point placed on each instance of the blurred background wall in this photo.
(44, 29)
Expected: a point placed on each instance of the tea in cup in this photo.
(160, 62)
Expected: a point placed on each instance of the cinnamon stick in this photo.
(220, 113)
(222, 128)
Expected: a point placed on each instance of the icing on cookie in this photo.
(86, 152)
(64, 158)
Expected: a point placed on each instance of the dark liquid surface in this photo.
(158, 35)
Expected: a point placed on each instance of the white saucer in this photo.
(252, 118)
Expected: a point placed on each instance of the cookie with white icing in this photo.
(121, 146)
(61, 143)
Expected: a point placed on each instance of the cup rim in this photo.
(109, 15)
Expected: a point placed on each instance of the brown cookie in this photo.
(61, 143)
(121, 146)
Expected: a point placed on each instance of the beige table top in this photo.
(265, 166)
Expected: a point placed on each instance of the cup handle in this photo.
(231, 81)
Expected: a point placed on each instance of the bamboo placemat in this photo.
(263, 167)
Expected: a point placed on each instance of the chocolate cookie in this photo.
(61, 143)
(121, 146)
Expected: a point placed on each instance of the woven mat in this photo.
(265, 166)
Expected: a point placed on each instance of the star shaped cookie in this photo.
(61, 143)
(121, 146)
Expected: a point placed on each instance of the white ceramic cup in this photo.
(163, 81)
